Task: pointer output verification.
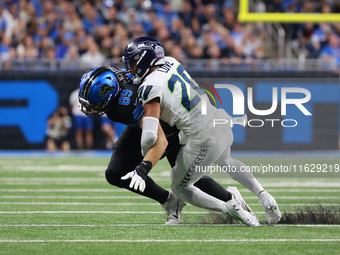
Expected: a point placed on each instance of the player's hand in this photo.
(138, 176)
(137, 181)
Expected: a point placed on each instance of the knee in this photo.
(113, 178)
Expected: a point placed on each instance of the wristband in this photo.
(143, 169)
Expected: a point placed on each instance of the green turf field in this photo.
(63, 205)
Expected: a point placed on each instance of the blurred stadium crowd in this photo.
(95, 30)
(319, 40)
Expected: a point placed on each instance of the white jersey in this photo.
(180, 101)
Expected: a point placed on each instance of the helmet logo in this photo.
(105, 89)
(147, 45)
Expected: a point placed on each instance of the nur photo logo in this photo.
(240, 101)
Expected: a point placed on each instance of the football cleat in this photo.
(237, 195)
(273, 214)
(234, 209)
(173, 208)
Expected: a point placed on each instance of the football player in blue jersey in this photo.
(111, 91)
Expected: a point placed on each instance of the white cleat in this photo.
(236, 194)
(273, 214)
(235, 210)
(173, 208)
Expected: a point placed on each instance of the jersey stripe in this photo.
(138, 112)
(146, 92)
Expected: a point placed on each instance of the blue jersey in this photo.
(125, 107)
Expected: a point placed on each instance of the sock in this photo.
(197, 197)
(211, 187)
(247, 179)
(152, 190)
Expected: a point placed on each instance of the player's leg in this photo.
(193, 158)
(65, 145)
(206, 183)
(89, 133)
(211, 187)
(248, 180)
(125, 157)
(107, 128)
(77, 123)
(51, 146)
(185, 173)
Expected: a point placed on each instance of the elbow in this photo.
(147, 141)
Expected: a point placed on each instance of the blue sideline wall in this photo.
(28, 99)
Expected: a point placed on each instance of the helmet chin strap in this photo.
(138, 79)
(154, 63)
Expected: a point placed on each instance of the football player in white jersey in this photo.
(167, 92)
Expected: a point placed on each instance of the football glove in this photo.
(138, 176)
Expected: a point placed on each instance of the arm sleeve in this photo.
(149, 134)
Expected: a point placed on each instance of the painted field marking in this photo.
(114, 190)
(91, 212)
(168, 240)
(140, 197)
(18, 181)
(159, 225)
(149, 204)
(106, 212)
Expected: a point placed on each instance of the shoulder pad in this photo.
(122, 76)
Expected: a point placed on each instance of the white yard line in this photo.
(169, 240)
(75, 203)
(113, 190)
(149, 204)
(95, 212)
(319, 182)
(287, 197)
(79, 197)
(64, 168)
(52, 180)
(91, 212)
(157, 225)
(107, 212)
(54, 169)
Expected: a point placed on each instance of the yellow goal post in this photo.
(246, 16)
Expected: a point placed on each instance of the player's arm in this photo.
(153, 142)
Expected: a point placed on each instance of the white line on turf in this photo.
(324, 182)
(134, 204)
(74, 203)
(104, 212)
(139, 197)
(168, 240)
(65, 168)
(91, 190)
(80, 197)
(157, 225)
(90, 212)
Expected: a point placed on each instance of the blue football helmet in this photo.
(140, 55)
(97, 89)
